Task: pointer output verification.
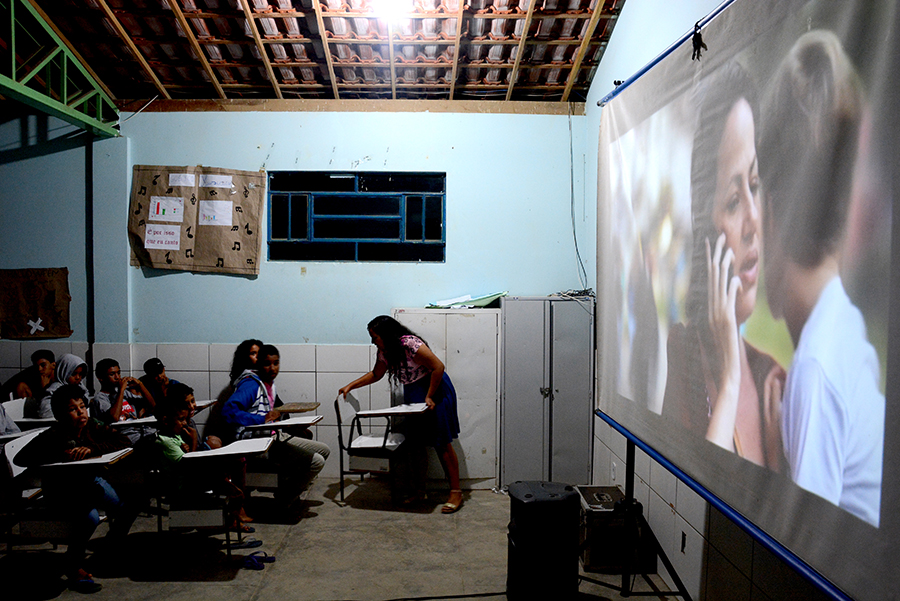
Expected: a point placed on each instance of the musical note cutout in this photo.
(249, 261)
(189, 234)
(247, 227)
(189, 253)
(246, 192)
(220, 262)
(237, 246)
(169, 190)
(143, 191)
(238, 209)
(193, 199)
(155, 177)
(234, 228)
(138, 210)
(213, 193)
(168, 259)
(142, 223)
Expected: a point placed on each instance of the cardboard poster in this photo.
(34, 303)
(196, 218)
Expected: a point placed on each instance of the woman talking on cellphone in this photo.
(718, 385)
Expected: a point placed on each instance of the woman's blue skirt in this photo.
(439, 426)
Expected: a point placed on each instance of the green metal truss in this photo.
(38, 69)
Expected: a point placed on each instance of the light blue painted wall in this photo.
(42, 209)
(509, 223)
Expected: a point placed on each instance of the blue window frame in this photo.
(357, 216)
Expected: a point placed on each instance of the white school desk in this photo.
(394, 411)
(304, 420)
(250, 446)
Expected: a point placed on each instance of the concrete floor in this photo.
(366, 548)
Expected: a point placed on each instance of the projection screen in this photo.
(745, 217)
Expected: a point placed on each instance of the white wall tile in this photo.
(139, 354)
(328, 435)
(298, 357)
(687, 556)
(184, 357)
(5, 374)
(220, 356)
(58, 349)
(197, 380)
(119, 352)
(10, 355)
(724, 582)
(642, 492)
(617, 444)
(297, 388)
(730, 540)
(642, 465)
(218, 382)
(342, 358)
(380, 394)
(663, 482)
(600, 473)
(327, 385)
(80, 349)
(661, 518)
(691, 507)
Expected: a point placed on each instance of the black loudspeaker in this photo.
(543, 541)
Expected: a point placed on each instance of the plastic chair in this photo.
(365, 453)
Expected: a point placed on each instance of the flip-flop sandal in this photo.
(452, 507)
(252, 563)
(86, 586)
(247, 543)
(243, 528)
(263, 557)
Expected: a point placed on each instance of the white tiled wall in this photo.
(714, 558)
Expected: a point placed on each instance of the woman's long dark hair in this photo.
(717, 97)
(241, 359)
(390, 331)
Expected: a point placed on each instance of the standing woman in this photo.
(409, 361)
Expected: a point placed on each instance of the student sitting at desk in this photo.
(179, 394)
(155, 378)
(121, 399)
(31, 381)
(78, 493)
(299, 460)
(70, 369)
(174, 438)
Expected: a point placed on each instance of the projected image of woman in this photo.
(833, 410)
(718, 385)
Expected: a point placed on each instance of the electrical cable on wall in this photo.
(582, 273)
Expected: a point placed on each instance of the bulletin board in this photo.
(34, 303)
(196, 218)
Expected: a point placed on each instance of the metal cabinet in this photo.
(546, 389)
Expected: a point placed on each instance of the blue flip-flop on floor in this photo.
(252, 563)
(247, 543)
(263, 557)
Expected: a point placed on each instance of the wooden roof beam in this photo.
(521, 49)
(192, 39)
(262, 50)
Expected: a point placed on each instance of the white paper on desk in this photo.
(100, 460)
(247, 446)
(303, 420)
(396, 410)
